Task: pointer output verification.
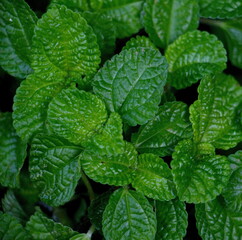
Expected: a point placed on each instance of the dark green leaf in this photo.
(139, 41)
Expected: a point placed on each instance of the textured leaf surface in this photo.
(172, 220)
(131, 84)
(213, 115)
(75, 5)
(31, 103)
(216, 221)
(81, 236)
(198, 178)
(193, 56)
(139, 41)
(161, 134)
(55, 168)
(12, 152)
(128, 215)
(220, 8)
(64, 43)
(115, 170)
(16, 31)
(41, 227)
(76, 115)
(165, 21)
(153, 178)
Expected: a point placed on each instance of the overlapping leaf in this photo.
(16, 31)
(165, 21)
(198, 178)
(161, 134)
(193, 56)
(131, 84)
(139, 41)
(128, 215)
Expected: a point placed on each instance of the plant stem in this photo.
(88, 186)
(91, 231)
(211, 22)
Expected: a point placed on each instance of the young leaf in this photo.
(193, 56)
(16, 31)
(161, 134)
(131, 84)
(12, 152)
(115, 169)
(64, 43)
(128, 215)
(82, 114)
(153, 178)
(220, 8)
(165, 21)
(172, 220)
(75, 5)
(198, 178)
(213, 115)
(55, 168)
(139, 41)
(215, 221)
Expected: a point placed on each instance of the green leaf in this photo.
(31, 103)
(41, 227)
(12, 152)
(165, 21)
(11, 229)
(172, 220)
(81, 236)
(75, 5)
(220, 8)
(193, 56)
(55, 168)
(64, 44)
(161, 134)
(213, 115)
(82, 114)
(11, 206)
(115, 169)
(131, 84)
(215, 221)
(16, 31)
(128, 215)
(153, 178)
(198, 178)
(139, 41)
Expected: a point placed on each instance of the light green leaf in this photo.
(128, 215)
(11, 229)
(172, 220)
(75, 5)
(166, 20)
(215, 221)
(213, 115)
(81, 236)
(41, 227)
(131, 84)
(16, 31)
(153, 178)
(193, 56)
(76, 115)
(55, 168)
(115, 170)
(161, 134)
(12, 152)
(139, 41)
(220, 8)
(198, 178)
(64, 44)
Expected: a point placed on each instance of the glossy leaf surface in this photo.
(139, 41)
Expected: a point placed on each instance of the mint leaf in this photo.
(198, 178)
(172, 220)
(193, 56)
(16, 26)
(75, 5)
(128, 215)
(213, 115)
(153, 178)
(115, 169)
(82, 114)
(161, 134)
(81, 236)
(12, 152)
(131, 84)
(139, 41)
(220, 8)
(165, 21)
(55, 168)
(216, 221)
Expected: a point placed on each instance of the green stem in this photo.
(91, 231)
(211, 22)
(88, 186)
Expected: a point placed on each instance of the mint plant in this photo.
(99, 143)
